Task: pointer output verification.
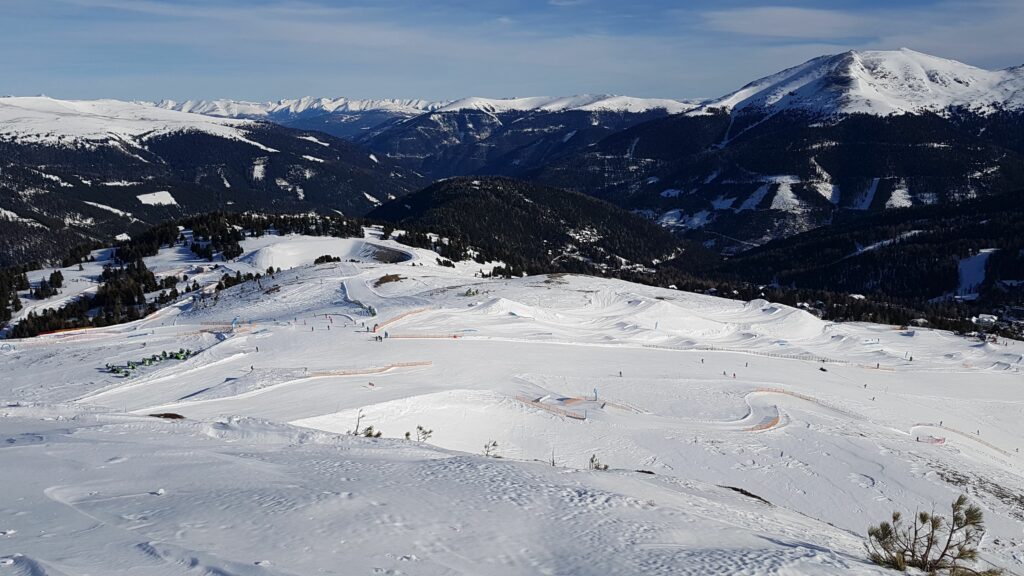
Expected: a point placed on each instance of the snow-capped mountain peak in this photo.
(879, 82)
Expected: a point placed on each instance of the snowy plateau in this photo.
(740, 437)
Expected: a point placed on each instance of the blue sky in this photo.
(438, 49)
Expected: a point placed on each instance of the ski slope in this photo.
(972, 273)
(683, 396)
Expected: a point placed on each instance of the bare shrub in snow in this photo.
(932, 543)
(491, 449)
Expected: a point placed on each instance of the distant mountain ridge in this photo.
(581, 103)
(309, 105)
(347, 118)
(532, 136)
(363, 120)
(878, 82)
(292, 107)
(466, 136)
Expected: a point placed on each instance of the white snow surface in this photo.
(679, 219)
(900, 197)
(259, 169)
(262, 479)
(109, 208)
(784, 198)
(161, 198)
(314, 140)
(879, 82)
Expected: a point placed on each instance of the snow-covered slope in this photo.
(49, 121)
(879, 82)
(686, 397)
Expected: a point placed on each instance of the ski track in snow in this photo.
(972, 272)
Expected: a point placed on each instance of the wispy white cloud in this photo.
(788, 22)
(984, 32)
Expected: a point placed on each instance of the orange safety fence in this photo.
(969, 436)
(65, 330)
(604, 403)
(811, 399)
(766, 425)
(394, 319)
(806, 356)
